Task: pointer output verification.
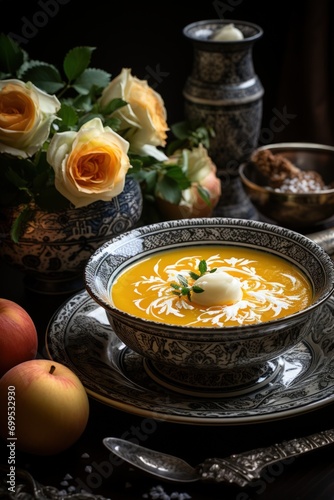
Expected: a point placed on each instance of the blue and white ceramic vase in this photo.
(53, 251)
(224, 93)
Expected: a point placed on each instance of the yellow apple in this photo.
(18, 335)
(51, 407)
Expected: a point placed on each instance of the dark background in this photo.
(294, 58)
(294, 61)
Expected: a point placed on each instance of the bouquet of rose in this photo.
(70, 137)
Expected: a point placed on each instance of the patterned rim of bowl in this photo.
(120, 252)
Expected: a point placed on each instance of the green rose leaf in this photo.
(11, 56)
(181, 130)
(43, 75)
(76, 61)
(169, 190)
(174, 146)
(81, 102)
(149, 178)
(189, 135)
(91, 78)
(20, 222)
(113, 106)
(113, 123)
(175, 173)
(204, 194)
(136, 164)
(68, 116)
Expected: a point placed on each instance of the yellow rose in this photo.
(26, 114)
(201, 171)
(143, 119)
(90, 164)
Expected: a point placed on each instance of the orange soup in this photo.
(239, 286)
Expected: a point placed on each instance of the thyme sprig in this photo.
(183, 288)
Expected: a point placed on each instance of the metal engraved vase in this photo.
(224, 93)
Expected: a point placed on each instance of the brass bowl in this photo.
(295, 210)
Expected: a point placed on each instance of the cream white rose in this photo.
(200, 164)
(90, 164)
(143, 119)
(26, 114)
(201, 172)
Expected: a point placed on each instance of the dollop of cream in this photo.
(228, 33)
(220, 288)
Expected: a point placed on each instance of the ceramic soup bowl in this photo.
(228, 358)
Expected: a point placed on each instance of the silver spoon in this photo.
(240, 469)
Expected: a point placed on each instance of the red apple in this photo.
(51, 407)
(18, 335)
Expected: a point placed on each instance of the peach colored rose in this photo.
(26, 114)
(143, 119)
(201, 171)
(90, 164)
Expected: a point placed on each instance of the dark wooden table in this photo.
(88, 465)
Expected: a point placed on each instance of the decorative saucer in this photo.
(213, 384)
(80, 336)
